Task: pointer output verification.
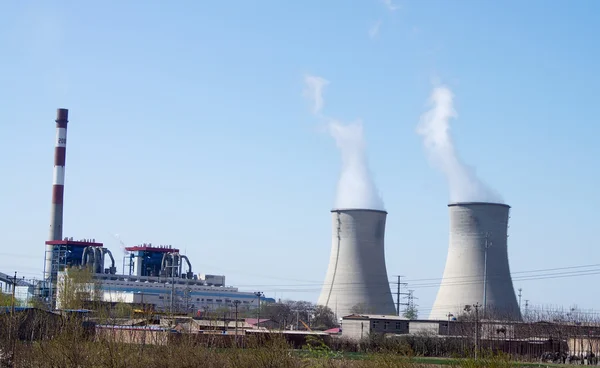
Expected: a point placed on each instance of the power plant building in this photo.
(357, 278)
(477, 270)
(157, 277)
(160, 276)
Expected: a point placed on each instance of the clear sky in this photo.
(188, 127)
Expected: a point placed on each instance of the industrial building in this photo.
(69, 253)
(357, 275)
(156, 275)
(477, 273)
(23, 290)
(359, 326)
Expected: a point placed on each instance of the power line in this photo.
(473, 278)
(354, 286)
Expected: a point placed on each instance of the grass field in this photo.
(348, 358)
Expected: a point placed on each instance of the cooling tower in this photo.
(357, 275)
(474, 228)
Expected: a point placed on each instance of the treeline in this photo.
(298, 315)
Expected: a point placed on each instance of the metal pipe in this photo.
(99, 260)
(180, 263)
(188, 263)
(112, 259)
(91, 258)
(88, 259)
(83, 256)
(175, 264)
(164, 261)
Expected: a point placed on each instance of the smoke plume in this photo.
(356, 188)
(434, 126)
(313, 91)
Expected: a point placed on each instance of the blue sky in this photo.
(188, 127)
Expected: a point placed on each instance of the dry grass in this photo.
(69, 345)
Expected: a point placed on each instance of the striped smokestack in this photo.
(58, 185)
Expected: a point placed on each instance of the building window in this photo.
(398, 325)
(385, 325)
(219, 300)
(375, 324)
(209, 300)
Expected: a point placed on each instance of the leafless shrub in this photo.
(36, 338)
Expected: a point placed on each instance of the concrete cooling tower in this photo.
(357, 275)
(473, 275)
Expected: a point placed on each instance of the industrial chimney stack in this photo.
(58, 186)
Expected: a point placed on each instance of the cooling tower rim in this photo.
(357, 210)
(454, 204)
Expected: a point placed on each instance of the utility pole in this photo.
(488, 243)
(520, 289)
(526, 307)
(476, 306)
(13, 332)
(398, 293)
(258, 295)
(449, 315)
(236, 303)
(12, 309)
(172, 286)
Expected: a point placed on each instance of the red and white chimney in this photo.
(58, 185)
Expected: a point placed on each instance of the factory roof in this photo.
(133, 328)
(287, 332)
(84, 242)
(374, 316)
(149, 247)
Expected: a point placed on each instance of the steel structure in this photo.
(357, 278)
(477, 268)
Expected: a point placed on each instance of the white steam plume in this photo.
(313, 91)
(434, 126)
(356, 188)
